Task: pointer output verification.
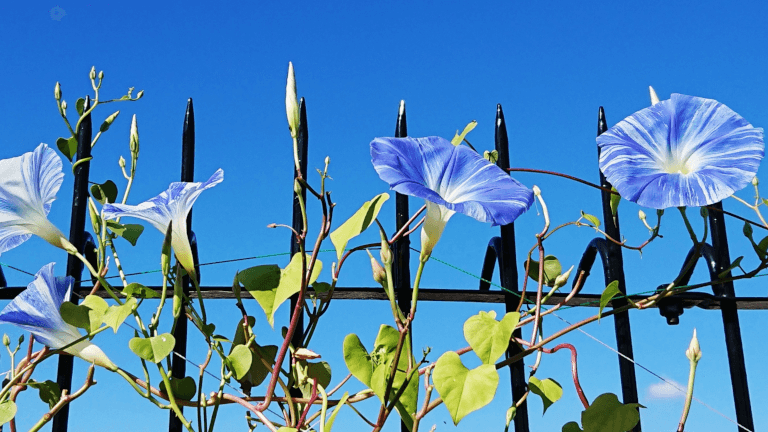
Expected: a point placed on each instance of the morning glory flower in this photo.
(684, 151)
(451, 179)
(28, 186)
(36, 310)
(170, 207)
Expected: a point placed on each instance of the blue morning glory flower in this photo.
(28, 186)
(451, 179)
(170, 207)
(684, 151)
(36, 310)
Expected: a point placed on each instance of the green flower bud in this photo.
(64, 108)
(704, 212)
(101, 75)
(95, 219)
(755, 181)
(291, 104)
(747, 230)
(140, 94)
(694, 350)
(57, 91)
(660, 212)
(21, 339)
(6, 340)
(92, 74)
(165, 255)
(134, 140)
(562, 279)
(641, 215)
(108, 122)
(236, 289)
(121, 162)
(379, 274)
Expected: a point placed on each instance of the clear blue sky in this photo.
(550, 65)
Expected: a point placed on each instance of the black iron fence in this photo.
(500, 250)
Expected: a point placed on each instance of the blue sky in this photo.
(550, 65)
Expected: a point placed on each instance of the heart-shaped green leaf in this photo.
(49, 391)
(463, 390)
(130, 232)
(359, 222)
(320, 371)
(459, 138)
(105, 192)
(80, 106)
(357, 359)
(239, 361)
(611, 291)
(67, 147)
(184, 388)
(549, 390)
(592, 219)
(607, 414)
(571, 427)
(88, 315)
(153, 349)
(552, 270)
(271, 286)
(7, 411)
(258, 372)
(139, 291)
(116, 315)
(489, 338)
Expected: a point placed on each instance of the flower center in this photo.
(677, 166)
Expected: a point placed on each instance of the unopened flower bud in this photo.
(140, 94)
(654, 97)
(92, 74)
(536, 190)
(64, 108)
(134, 140)
(165, 255)
(327, 160)
(95, 219)
(379, 274)
(562, 279)
(305, 354)
(121, 162)
(21, 339)
(6, 340)
(660, 212)
(641, 215)
(57, 91)
(755, 181)
(704, 212)
(101, 75)
(747, 230)
(108, 122)
(236, 289)
(291, 104)
(694, 350)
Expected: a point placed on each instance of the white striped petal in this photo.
(170, 207)
(28, 187)
(36, 310)
(684, 151)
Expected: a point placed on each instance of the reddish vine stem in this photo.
(574, 370)
(312, 400)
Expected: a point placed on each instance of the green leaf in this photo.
(7, 411)
(463, 390)
(116, 314)
(342, 401)
(359, 222)
(88, 315)
(321, 287)
(458, 139)
(552, 270)
(240, 360)
(607, 414)
(571, 427)
(105, 192)
(130, 232)
(615, 200)
(491, 156)
(489, 338)
(357, 359)
(139, 291)
(184, 388)
(258, 372)
(374, 369)
(736, 263)
(611, 291)
(320, 371)
(49, 391)
(592, 219)
(271, 286)
(549, 390)
(67, 147)
(80, 106)
(153, 349)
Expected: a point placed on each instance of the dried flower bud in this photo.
(305, 354)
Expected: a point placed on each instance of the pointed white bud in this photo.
(654, 97)
(291, 103)
(694, 350)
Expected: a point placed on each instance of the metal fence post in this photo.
(401, 272)
(733, 344)
(76, 237)
(614, 271)
(178, 364)
(508, 276)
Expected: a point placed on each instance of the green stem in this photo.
(688, 396)
(688, 226)
(416, 282)
(172, 399)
